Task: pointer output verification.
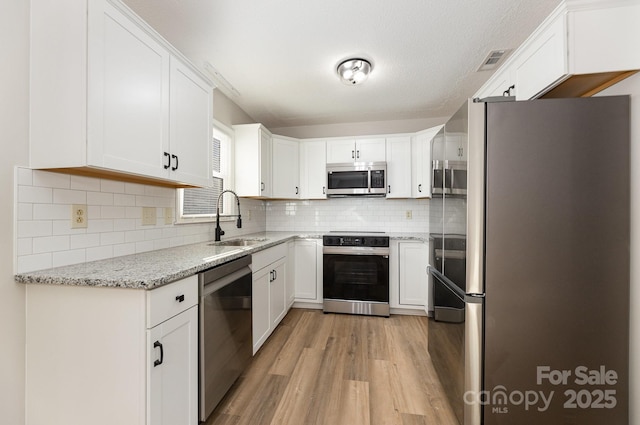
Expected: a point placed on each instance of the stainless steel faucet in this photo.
(219, 231)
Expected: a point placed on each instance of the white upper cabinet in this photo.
(313, 169)
(399, 167)
(593, 39)
(120, 89)
(359, 150)
(421, 163)
(285, 171)
(253, 160)
(190, 106)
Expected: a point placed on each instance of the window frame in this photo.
(226, 136)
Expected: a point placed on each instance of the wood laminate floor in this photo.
(332, 369)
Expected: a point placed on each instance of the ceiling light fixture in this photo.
(354, 71)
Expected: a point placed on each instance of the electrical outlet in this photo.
(409, 214)
(79, 216)
(168, 215)
(149, 216)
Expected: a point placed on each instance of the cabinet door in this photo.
(305, 270)
(341, 151)
(172, 363)
(421, 163)
(414, 258)
(543, 62)
(260, 307)
(128, 95)
(190, 134)
(313, 170)
(277, 293)
(371, 150)
(265, 164)
(291, 269)
(399, 167)
(285, 170)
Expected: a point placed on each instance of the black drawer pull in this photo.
(176, 158)
(180, 298)
(158, 362)
(168, 164)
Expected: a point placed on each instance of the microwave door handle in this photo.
(369, 179)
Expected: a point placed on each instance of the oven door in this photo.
(356, 274)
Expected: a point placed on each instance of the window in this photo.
(199, 204)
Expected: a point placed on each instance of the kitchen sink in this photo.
(239, 242)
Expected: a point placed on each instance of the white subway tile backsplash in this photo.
(34, 228)
(24, 211)
(112, 238)
(99, 198)
(112, 212)
(48, 179)
(67, 196)
(124, 200)
(85, 183)
(112, 186)
(43, 220)
(50, 244)
(99, 253)
(85, 240)
(24, 176)
(66, 258)
(29, 263)
(35, 194)
(51, 212)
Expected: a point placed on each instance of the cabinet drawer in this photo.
(265, 257)
(168, 300)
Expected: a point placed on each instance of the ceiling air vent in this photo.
(493, 59)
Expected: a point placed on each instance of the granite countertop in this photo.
(151, 269)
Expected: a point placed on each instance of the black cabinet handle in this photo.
(275, 275)
(420, 188)
(180, 298)
(324, 190)
(389, 189)
(297, 190)
(176, 158)
(358, 154)
(158, 362)
(507, 92)
(261, 186)
(168, 164)
(353, 154)
(271, 279)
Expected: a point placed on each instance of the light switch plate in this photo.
(168, 215)
(149, 216)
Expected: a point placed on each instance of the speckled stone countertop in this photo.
(151, 269)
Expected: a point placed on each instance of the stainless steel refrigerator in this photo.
(530, 260)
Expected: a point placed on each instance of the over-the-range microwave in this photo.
(357, 179)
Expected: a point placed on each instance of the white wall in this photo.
(227, 112)
(632, 86)
(14, 116)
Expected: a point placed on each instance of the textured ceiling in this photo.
(281, 55)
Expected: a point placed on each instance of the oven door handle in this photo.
(357, 250)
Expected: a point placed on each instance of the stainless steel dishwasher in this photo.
(225, 329)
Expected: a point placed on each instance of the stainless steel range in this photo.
(356, 273)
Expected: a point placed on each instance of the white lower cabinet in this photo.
(414, 259)
(308, 271)
(173, 369)
(408, 277)
(112, 355)
(269, 298)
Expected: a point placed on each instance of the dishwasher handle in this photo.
(217, 284)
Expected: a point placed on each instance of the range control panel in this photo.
(355, 240)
